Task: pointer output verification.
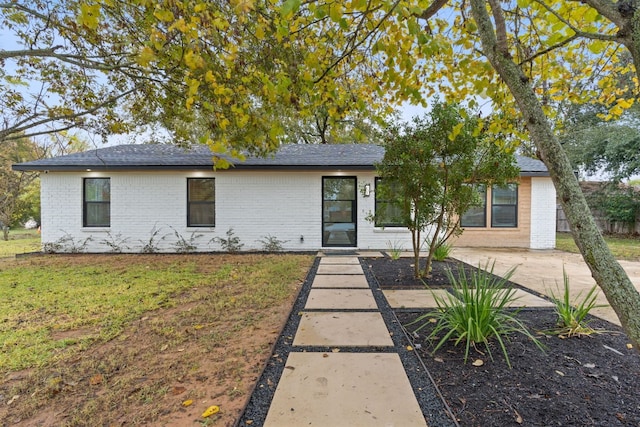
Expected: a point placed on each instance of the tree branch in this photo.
(6, 133)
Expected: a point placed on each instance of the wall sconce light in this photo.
(367, 190)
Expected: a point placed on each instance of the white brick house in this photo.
(308, 197)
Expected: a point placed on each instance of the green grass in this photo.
(627, 248)
(20, 241)
(99, 295)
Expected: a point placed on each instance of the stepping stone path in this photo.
(361, 381)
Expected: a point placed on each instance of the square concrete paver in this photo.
(339, 281)
(342, 330)
(339, 269)
(413, 298)
(340, 299)
(339, 260)
(527, 299)
(344, 389)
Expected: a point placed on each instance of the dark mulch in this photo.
(588, 381)
(399, 273)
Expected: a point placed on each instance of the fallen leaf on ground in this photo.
(188, 402)
(560, 373)
(96, 379)
(210, 411)
(518, 418)
(176, 390)
(409, 348)
(478, 362)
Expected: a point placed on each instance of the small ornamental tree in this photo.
(429, 172)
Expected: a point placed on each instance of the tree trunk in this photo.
(5, 233)
(605, 269)
(415, 240)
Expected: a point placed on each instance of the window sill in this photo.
(391, 230)
(95, 229)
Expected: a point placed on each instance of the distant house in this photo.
(307, 197)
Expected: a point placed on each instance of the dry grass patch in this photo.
(126, 339)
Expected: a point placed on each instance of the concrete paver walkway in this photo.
(337, 386)
(342, 387)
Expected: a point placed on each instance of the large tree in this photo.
(597, 146)
(498, 46)
(431, 171)
(12, 183)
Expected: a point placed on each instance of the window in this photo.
(477, 215)
(388, 213)
(504, 206)
(201, 202)
(97, 202)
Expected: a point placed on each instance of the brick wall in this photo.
(286, 205)
(502, 237)
(543, 213)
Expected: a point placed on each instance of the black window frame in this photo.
(201, 203)
(377, 205)
(87, 203)
(502, 205)
(482, 208)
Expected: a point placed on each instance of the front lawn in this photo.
(20, 241)
(132, 337)
(627, 248)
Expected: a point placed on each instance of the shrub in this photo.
(442, 252)
(115, 242)
(66, 243)
(183, 245)
(394, 249)
(572, 318)
(151, 246)
(474, 312)
(231, 243)
(271, 243)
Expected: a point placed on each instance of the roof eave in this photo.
(123, 168)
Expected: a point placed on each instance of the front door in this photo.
(339, 211)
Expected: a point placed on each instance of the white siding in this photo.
(543, 213)
(286, 205)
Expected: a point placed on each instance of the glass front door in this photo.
(339, 211)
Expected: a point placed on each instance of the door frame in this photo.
(354, 211)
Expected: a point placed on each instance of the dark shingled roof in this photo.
(199, 157)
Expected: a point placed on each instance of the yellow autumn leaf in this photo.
(625, 103)
(211, 410)
(455, 131)
(163, 15)
(192, 59)
(188, 402)
(145, 56)
(89, 15)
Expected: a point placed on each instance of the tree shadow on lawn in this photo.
(587, 381)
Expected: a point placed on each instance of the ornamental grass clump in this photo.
(476, 310)
(572, 319)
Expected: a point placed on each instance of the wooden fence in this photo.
(605, 226)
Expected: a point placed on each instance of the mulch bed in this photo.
(587, 381)
(399, 273)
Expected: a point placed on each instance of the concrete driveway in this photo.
(541, 271)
